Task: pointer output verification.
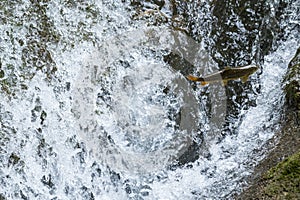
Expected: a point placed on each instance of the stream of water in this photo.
(90, 109)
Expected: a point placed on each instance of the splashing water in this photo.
(114, 118)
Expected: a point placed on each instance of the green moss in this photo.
(292, 83)
(293, 72)
(292, 91)
(284, 179)
(296, 58)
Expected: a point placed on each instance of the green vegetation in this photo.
(284, 179)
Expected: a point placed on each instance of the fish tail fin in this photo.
(193, 78)
(198, 79)
(203, 83)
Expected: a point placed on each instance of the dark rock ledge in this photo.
(278, 175)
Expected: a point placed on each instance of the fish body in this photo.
(226, 75)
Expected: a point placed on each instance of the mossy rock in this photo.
(296, 59)
(292, 91)
(284, 179)
(273, 180)
(292, 83)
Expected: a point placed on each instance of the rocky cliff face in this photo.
(292, 85)
(278, 176)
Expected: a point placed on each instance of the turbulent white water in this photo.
(115, 117)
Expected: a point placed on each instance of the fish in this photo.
(225, 75)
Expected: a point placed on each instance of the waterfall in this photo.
(90, 109)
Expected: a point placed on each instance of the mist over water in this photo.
(91, 109)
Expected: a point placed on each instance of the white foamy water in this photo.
(115, 116)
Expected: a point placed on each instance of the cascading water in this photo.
(90, 109)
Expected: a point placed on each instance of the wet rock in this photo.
(278, 175)
(2, 197)
(47, 180)
(13, 159)
(2, 74)
(292, 81)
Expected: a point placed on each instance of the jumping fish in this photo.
(226, 75)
